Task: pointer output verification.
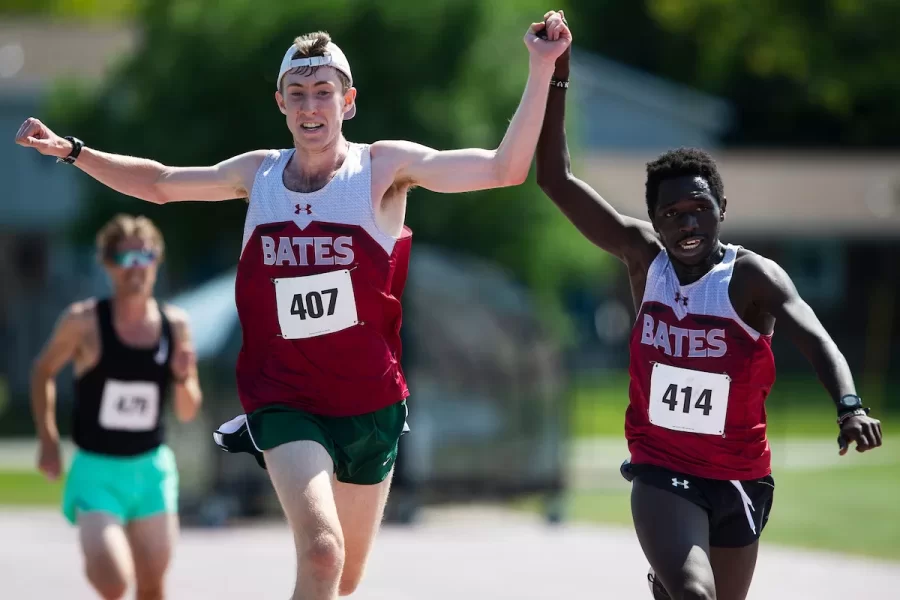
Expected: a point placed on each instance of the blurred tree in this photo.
(803, 73)
(94, 10)
(200, 88)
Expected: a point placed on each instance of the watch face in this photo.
(850, 401)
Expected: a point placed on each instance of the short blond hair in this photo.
(315, 44)
(124, 226)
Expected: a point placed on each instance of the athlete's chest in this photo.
(691, 368)
(319, 244)
(691, 337)
(141, 335)
(279, 248)
(725, 291)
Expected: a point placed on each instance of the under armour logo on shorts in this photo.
(676, 483)
(307, 209)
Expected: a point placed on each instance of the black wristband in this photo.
(560, 83)
(77, 145)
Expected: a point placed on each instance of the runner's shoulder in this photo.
(243, 168)
(82, 310)
(394, 153)
(257, 156)
(80, 315)
(177, 316)
(753, 271)
(643, 247)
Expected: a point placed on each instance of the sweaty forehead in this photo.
(306, 77)
(684, 188)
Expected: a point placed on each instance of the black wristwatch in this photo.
(849, 406)
(77, 145)
(848, 403)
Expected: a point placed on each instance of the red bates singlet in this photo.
(699, 378)
(318, 295)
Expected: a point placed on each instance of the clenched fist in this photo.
(34, 134)
(548, 39)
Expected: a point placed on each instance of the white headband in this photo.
(334, 57)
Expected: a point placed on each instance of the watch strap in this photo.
(77, 146)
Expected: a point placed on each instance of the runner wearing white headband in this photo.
(322, 269)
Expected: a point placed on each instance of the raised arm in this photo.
(148, 179)
(593, 216)
(776, 295)
(471, 169)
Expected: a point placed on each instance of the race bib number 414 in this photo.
(688, 400)
(315, 305)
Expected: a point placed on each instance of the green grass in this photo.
(849, 510)
(852, 509)
(24, 488)
(797, 406)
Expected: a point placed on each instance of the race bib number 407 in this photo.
(688, 400)
(315, 305)
(129, 405)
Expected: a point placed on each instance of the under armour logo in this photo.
(676, 483)
(680, 298)
(307, 209)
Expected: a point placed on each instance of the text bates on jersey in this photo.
(688, 400)
(315, 305)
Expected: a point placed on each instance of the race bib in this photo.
(688, 400)
(129, 405)
(315, 305)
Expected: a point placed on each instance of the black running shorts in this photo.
(738, 510)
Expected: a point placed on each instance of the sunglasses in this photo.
(134, 258)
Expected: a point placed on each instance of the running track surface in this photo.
(451, 554)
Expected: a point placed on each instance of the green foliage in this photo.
(810, 72)
(447, 73)
(93, 10)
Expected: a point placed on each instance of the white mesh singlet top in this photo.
(346, 199)
(318, 294)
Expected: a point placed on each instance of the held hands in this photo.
(863, 430)
(34, 134)
(549, 39)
